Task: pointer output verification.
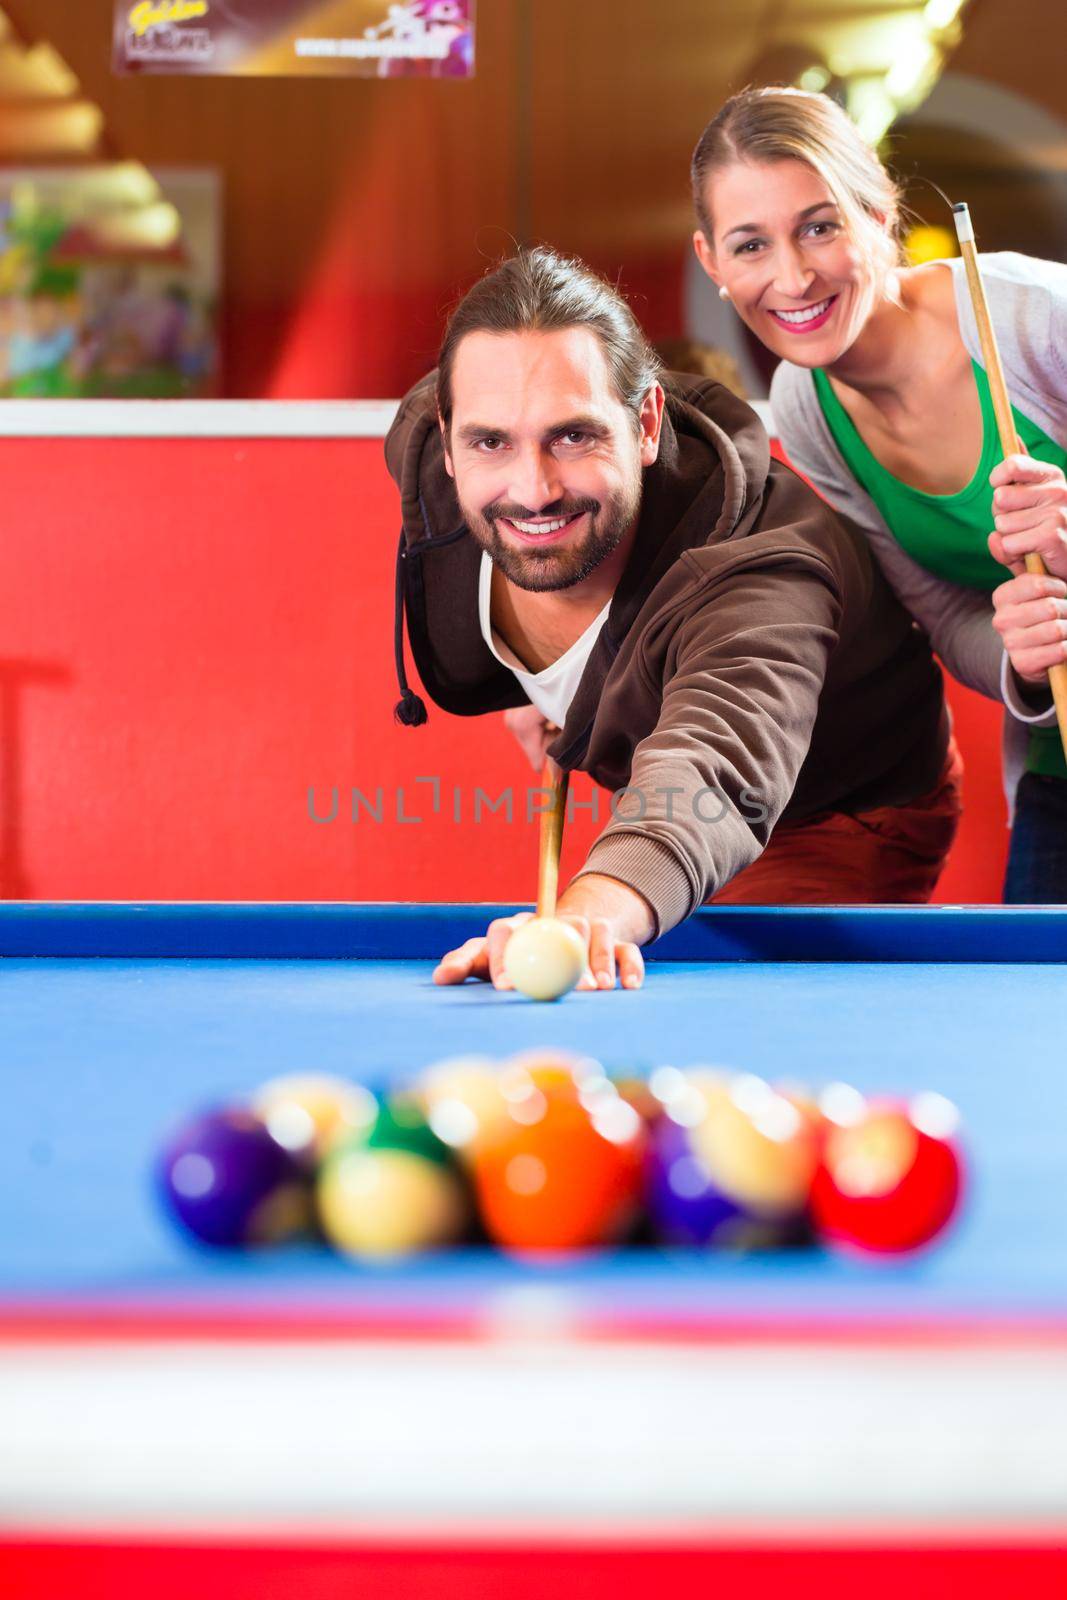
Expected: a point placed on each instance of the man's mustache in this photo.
(566, 506)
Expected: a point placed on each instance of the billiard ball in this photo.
(462, 1100)
(890, 1176)
(223, 1179)
(307, 1112)
(635, 1089)
(548, 1068)
(392, 1189)
(564, 1172)
(544, 958)
(731, 1162)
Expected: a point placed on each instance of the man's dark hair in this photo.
(540, 291)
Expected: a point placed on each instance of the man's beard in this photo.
(558, 565)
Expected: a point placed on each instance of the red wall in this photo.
(199, 632)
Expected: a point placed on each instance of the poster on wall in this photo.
(296, 38)
(109, 281)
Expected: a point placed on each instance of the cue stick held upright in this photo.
(998, 389)
(551, 838)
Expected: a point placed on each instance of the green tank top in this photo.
(947, 533)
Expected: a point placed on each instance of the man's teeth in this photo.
(808, 314)
(541, 527)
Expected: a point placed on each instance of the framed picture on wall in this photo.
(109, 282)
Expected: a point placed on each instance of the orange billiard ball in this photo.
(564, 1171)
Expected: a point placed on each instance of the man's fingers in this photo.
(602, 952)
(484, 957)
(496, 941)
(469, 961)
(497, 938)
(631, 966)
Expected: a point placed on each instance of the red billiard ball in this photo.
(223, 1179)
(890, 1175)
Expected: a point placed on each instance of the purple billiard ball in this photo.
(684, 1204)
(223, 1179)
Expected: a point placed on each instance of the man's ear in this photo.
(706, 256)
(650, 419)
(444, 444)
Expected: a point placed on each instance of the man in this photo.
(708, 636)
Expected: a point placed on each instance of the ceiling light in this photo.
(942, 13)
(911, 70)
(814, 79)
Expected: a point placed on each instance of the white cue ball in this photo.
(545, 957)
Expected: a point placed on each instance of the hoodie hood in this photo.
(708, 480)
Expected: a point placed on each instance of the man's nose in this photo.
(535, 479)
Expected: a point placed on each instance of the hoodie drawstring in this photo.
(409, 709)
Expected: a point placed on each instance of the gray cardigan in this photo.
(1028, 304)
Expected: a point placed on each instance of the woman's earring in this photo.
(724, 293)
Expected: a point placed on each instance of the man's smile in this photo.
(540, 530)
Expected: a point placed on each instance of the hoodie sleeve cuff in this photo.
(1031, 704)
(649, 866)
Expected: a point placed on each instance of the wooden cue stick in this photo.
(1009, 439)
(551, 839)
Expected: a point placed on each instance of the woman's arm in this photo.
(958, 621)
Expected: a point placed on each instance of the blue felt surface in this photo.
(99, 1056)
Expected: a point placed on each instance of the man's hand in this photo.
(612, 919)
(533, 731)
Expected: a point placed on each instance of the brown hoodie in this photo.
(754, 664)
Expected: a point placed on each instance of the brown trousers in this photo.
(890, 856)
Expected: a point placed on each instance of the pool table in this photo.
(474, 1408)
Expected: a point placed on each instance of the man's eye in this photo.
(489, 445)
(573, 436)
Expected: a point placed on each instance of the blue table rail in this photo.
(410, 932)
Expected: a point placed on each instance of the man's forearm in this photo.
(593, 895)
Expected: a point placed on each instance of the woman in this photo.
(881, 400)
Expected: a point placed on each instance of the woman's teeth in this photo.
(808, 314)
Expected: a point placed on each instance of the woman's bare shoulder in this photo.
(930, 290)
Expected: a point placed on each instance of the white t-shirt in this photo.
(552, 690)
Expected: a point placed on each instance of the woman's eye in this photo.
(749, 247)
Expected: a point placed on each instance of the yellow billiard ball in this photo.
(308, 1112)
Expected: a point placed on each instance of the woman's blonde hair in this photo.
(779, 124)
